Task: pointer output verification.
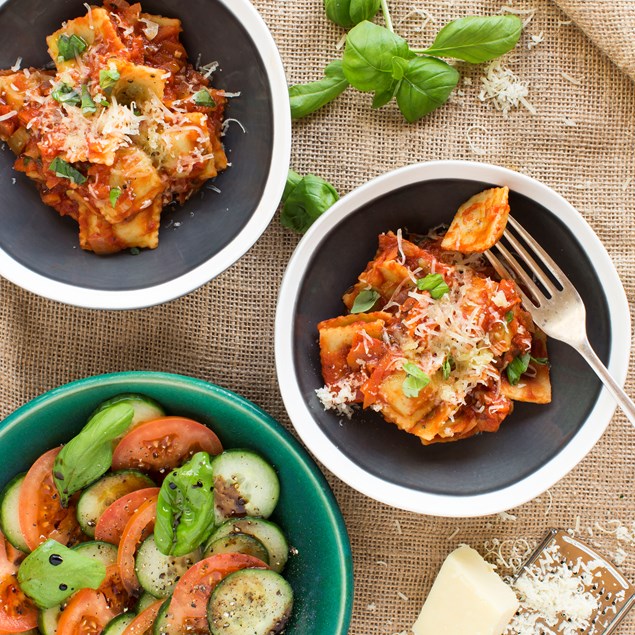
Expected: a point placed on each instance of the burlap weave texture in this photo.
(581, 141)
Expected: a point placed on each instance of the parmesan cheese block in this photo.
(467, 597)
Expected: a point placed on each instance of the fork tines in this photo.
(532, 274)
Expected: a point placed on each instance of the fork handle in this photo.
(623, 400)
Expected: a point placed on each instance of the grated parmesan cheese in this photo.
(502, 88)
(8, 115)
(17, 65)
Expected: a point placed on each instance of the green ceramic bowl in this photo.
(321, 572)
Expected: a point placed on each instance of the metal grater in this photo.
(608, 583)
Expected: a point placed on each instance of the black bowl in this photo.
(479, 469)
(39, 249)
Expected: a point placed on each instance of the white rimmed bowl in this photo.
(537, 444)
(39, 250)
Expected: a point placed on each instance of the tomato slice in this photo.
(137, 529)
(163, 444)
(112, 522)
(144, 621)
(188, 606)
(17, 613)
(41, 513)
(89, 610)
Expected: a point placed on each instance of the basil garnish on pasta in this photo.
(365, 300)
(66, 170)
(435, 284)
(203, 98)
(70, 47)
(65, 94)
(115, 193)
(415, 381)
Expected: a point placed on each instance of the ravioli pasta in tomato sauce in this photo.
(434, 341)
(124, 126)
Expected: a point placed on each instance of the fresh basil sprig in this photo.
(416, 380)
(378, 61)
(52, 572)
(347, 13)
(305, 198)
(307, 98)
(185, 508)
(477, 39)
(88, 456)
(66, 170)
(365, 300)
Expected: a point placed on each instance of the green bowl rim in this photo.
(284, 437)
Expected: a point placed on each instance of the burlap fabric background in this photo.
(581, 142)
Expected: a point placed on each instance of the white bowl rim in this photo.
(410, 499)
(87, 297)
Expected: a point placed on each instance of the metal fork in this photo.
(562, 315)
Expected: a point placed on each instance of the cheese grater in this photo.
(615, 595)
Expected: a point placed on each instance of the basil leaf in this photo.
(115, 193)
(307, 98)
(108, 78)
(415, 381)
(309, 199)
(365, 300)
(347, 13)
(70, 47)
(517, 367)
(66, 170)
(361, 10)
(368, 57)
(293, 179)
(65, 94)
(509, 316)
(446, 367)
(477, 39)
(88, 105)
(382, 98)
(427, 83)
(52, 572)
(88, 456)
(434, 284)
(203, 98)
(185, 508)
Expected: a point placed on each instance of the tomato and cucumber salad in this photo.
(143, 524)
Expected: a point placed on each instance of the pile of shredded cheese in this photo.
(503, 89)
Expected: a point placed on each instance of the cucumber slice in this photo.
(157, 573)
(10, 513)
(102, 551)
(94, 501)
(267, 532)
(239, 543)
(244, 485)
(144, 602)
(253, 601)
(161, 622)
(145, 408)
(119, 624)
(48, 619)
